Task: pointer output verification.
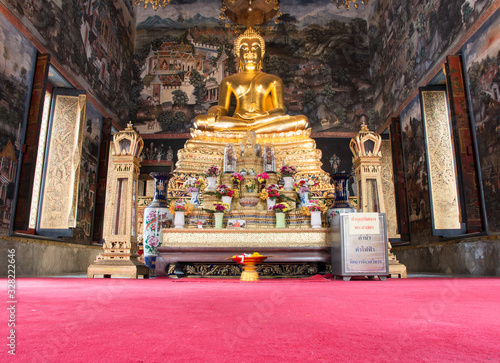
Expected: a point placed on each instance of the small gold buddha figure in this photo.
(260, 105)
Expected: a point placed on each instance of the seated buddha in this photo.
(260, 105)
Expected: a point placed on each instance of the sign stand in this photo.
(359, 246)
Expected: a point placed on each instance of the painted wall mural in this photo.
(406, 40)
(323, 59)
(417, 182)
(91, 38)
(482, 58)
(17, 67)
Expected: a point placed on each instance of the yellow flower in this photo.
(305, 210)
(263, 194)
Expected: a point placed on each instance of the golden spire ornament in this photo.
(154, 3)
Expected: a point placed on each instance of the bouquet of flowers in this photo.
(262, 177)
(314, 205)
(224, 191)
(180, 206)
(220, 207)
(236, 178)
(212, 171)
(287, 170)
(303, 185)
(194, 185)
(272, 192)
(250, 185)
(281, 207)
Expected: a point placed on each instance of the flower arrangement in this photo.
(250, 185)
(212, 171)
(251, 171)
(220, 207)
(236, 178)
(303, 185)
(273, 191)
(281, 207)
(314, 205)
(262, 177)
(180, 206)
(224, 191)
(194, 185)
(287, 170)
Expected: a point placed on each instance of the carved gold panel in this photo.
(388, 190)
(441, 161)
(60, 194)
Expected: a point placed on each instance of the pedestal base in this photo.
(118, 268)
(249, 273)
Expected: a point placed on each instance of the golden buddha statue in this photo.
(260, 105)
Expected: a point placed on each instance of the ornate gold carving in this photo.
(310, 237)
(388, 190)
(441, 161)
(282, 269)
(42, 143)
(59, 204)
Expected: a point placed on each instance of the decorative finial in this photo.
(364, 127)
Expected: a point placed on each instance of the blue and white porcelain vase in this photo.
(342, 204)
(156, 217)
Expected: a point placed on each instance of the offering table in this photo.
(204, 251)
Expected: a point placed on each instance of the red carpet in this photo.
(160, 320)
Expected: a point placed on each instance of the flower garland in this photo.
(212, 171)
(288, 170)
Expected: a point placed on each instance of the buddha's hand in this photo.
(251, 115)
(213, 115)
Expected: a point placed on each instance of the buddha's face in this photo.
(250, 54)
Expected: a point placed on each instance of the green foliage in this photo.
(198, 82)
(180, 98)
(341, 114)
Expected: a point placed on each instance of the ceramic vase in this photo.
(270, 203)
(219, 218)
(316, 219)
(156, 217)
(288, 180)
(211, 183)
(340, 181)
(304, 199)
(280, 220)
(179, 220)
(226, 199)
(194, 199)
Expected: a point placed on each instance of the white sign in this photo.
(364, 223)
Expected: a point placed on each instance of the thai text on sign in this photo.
(364, 223)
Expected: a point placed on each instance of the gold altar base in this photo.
(246, 237)
(255, 218)
(206, 148)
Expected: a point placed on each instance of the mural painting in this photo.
(93, 39)
(482, 57)
(324, 65)
(417, 184)
(406, 39)
(88, 175)
(16, 75)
